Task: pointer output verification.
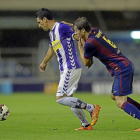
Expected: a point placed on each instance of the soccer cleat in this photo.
(94, 114)
(85, 128)
(137, 129)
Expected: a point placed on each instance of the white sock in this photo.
(72, 102)
(81, 115)
(75, 103)
(90, 107)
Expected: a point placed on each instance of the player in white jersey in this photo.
(61, 44)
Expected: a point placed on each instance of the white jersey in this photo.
(63, 45)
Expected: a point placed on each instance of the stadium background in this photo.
(23, 45)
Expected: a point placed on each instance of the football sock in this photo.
(89, 107)
(133, 102)
(74, 102)
(131, 110)
(81, 115)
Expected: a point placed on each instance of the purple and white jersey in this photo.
(63, 45)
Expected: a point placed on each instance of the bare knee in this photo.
(120, 100)
(119, 103)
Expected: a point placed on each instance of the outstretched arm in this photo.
(86, 62)
(48, 56)
(70, 24)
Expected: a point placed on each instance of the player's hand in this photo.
(90, 64)
(70, 24)
(81, 42)
(42, 67)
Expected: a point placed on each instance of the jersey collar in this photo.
(54, 26)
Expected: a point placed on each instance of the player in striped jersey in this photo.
(96, 44)
(61, 44)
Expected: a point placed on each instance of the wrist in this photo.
(45, 62)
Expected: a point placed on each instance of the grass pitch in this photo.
(36, 116)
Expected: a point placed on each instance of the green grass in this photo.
(35, 116)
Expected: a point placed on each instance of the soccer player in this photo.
(61, 44)
(94, 43)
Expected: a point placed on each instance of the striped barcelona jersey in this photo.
(63, 45)
(100, 46)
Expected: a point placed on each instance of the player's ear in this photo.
(83, 30)
(45, 19)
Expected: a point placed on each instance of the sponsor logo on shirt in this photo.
(56, 45)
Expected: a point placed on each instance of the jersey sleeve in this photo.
(50, 39)
(50, 43)
(89, 50)
(66, 31)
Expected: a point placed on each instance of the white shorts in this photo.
(68, 82)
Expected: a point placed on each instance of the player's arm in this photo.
(75, 36)
(70, 24)
(86, 62)
(48, 56)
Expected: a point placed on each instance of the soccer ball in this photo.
(4, 112)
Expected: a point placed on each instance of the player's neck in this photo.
(51, 25)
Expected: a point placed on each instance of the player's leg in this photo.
(133, 102)
(122, 87)
(130, 109)
(130, 100)
(74, 102)
(81, 115)
(112, 96)
(125, 104)
(67, 86)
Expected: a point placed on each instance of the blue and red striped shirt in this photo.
(100, 46)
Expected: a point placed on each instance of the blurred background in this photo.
(23, 45)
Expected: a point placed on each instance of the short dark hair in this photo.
(43, 12)
(83, 23)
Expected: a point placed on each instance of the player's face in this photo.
(42, 24)
(79, 32)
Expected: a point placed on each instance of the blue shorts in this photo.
(123, 81)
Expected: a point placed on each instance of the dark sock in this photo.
(87, 125)
(131, 110)
(133, 102)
